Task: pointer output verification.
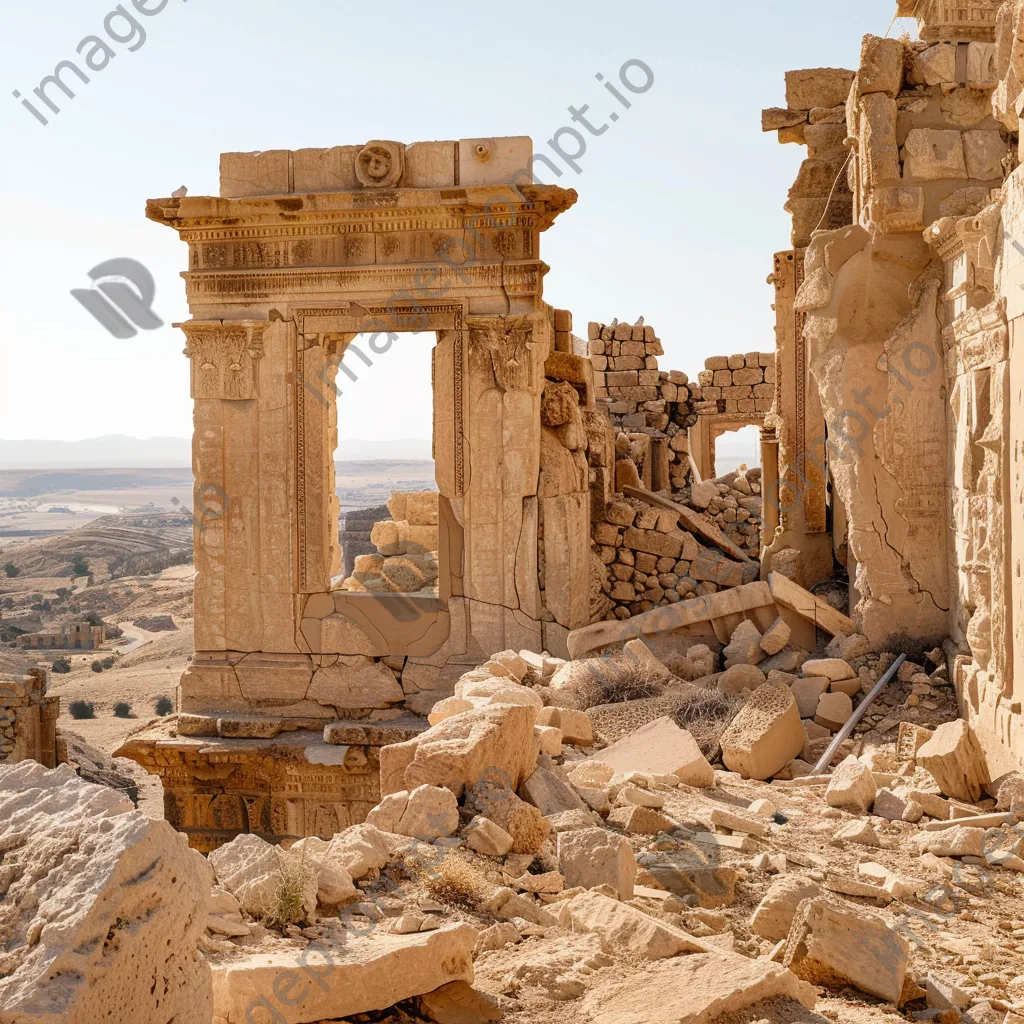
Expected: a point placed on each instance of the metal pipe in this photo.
(826, 758)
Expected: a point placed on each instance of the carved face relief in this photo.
(379, 164)
(508, 341)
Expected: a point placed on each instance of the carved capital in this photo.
(225, 356)
(508, 343)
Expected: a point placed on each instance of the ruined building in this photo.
(575, 476)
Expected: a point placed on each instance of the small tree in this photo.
(108, 662)
(61, 665)
(97, 666)
(80, 567)
(12, 570)
(164, 706)
(62, 593)
(122, 710)
(82, 709)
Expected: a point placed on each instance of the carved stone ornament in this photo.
(380, 164)
(224, 357)
(507, 341)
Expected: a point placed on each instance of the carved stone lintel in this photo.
(508, 343)
(225, 355)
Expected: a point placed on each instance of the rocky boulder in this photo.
(101, 910)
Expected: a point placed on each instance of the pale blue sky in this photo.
(680, 203)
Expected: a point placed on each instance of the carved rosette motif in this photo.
(508, 343)
(225, 357)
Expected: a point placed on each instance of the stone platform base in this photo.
(289, 785)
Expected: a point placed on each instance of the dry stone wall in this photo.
(28, 719)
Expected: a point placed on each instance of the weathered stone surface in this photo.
(830, 668)
(834, 710)
(549, 793)
(852, 786)
(593, 856)
(774, 914)
(527, 826)
(933, 154)
(958, 841)
(364, 975)
(765, 736)
(695, 989)
(744, 646)
(334, 883)
(737, 678)
(662, 748)
(818, 87)
(360, 850)
(458, 751)
(776, 636)
(624, 929)
(640, 821)
(459, 1003)
(253, 871)
(807, 692)
(101, 910)
(574, 725)
(690, 872)
(955, 760)
(484, 836)
(833, 944)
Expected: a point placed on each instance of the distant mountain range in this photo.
(118, 451)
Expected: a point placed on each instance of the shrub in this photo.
(108, 662)
(92, 618)
(122, 710)
(61, 665)
(12, 570)
(706, 714)
(457, 883)
(81, 709)
(629, 683)
(97, 666)
(164, 706)
(288, 905)
(80, 567)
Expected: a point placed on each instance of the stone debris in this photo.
(765, 735)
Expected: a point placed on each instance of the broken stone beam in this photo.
(328, 982)
(816, 610)
(975, 821)
(690, 520)
(747, 600)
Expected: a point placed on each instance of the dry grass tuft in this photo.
(456, 883)
(288, 905)
(706, 714)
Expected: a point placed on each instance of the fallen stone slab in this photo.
(459, 1003)
(955, 759)
(832, 944)
(834, 710)
(814, 609)
(852, 786)
(833, 669)
(751, 599)
(575, 726)
(693, 989)
(625, 929)
(101, 907)
(662, 748)
(326, 981)
(774, 915)
(691, 872)
(641, 821)
(549, 793)
(953, 842)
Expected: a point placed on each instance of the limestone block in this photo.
(881, 67)
(955, 759)
(776, 636)
(852, 786)
(101, 906)
(661, 748)
(447, 708)
(833, 944)
(591, 773)
(818, 87)
(594, 856)
(429, 165)
(254, 174)
(702, 494)
(881, 155)
(696, 989)
(525, 823)
(360, 849)
(640, 821)
(625, 929)
(890, 805)
(958, 841)
(765, 736)
(935, 66)
(981, 70)
(355, 682)
(776, 118)
(457, 752)
(932, 154)
(486, 837)
(334, 883)
(431, 813)
(774, 914)
(575, 725)
(829, 668)
(737, 678)
(549, 793)
(807, 692)
(834, 710)
(984, 151)
(374, 973)
(744, 645)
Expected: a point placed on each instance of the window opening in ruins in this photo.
(735, 448)
(384, 468)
